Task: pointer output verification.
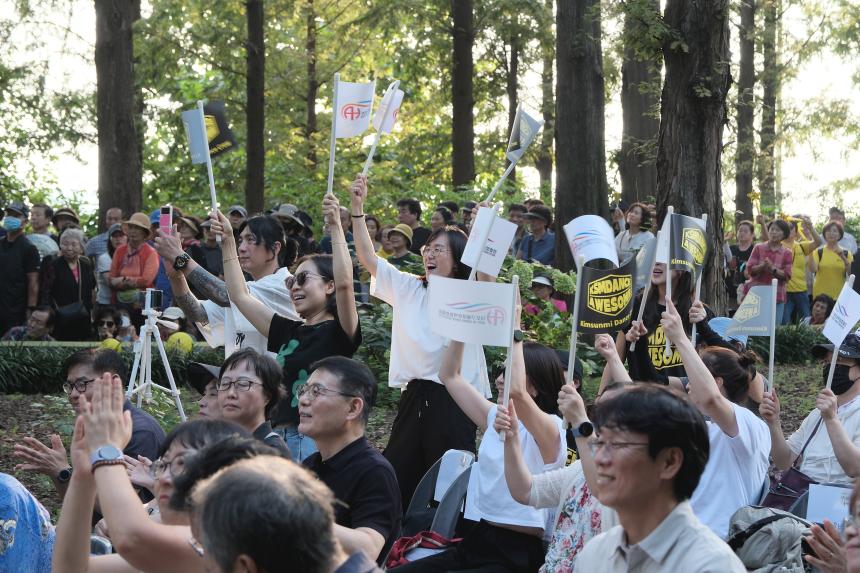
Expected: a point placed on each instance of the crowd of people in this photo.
(276, 471)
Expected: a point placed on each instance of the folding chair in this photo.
(422, 506)
(448, 513)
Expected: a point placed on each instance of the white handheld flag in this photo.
(194, 130)
(524, 131)
(591, 237)
(845, 315)
(389, 107)
(500, 235)
(471, 311)
(354, 106)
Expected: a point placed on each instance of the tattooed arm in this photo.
(169, 247)
(194, 311)
(205, 282)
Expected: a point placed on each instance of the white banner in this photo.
(499, 240)
(389, 107)
(471, 311)
(845, 315)
(591, 236)
(524, 131)
(354, 106)
(662, 253)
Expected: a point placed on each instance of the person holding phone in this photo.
(830, 263)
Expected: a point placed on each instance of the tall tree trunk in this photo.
(511, 87)
(580, 158)
(313, 83)
(640, 80)
(462, 98)
(745, 154)
(255, 158)
(117, 106)
(691, 127)
(770, 87)
(543, 162)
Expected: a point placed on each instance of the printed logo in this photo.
(693, 241)
(610, 295)
(750, 308)
(212, 130)
(354, 111)
(476, 313)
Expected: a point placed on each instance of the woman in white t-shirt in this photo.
(428, 421)
(509, 535)
(116, 237)
(629, 241)
(719, 381)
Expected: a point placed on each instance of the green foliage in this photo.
(792, 344)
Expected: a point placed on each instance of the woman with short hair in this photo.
(830, 263)
(68, 285)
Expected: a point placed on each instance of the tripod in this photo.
(142, 385)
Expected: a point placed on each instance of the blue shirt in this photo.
(26, 533)
(541, 250)
(97, 245)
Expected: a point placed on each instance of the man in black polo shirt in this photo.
(19, 266)
(334, 407)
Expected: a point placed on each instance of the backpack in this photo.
(769, 540)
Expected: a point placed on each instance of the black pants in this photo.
(488, 549)
(428, 424)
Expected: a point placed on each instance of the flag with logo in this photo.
(524, 131)
(354, 107)
(499, 235)
(846, 313)
(471, 311)
(688, 245)
(754, 317)
(591, 237)
(389, 108)
(220, 138)
(606, 298)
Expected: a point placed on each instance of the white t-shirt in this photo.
(628, 245)
(488, 496)
(104, 291)
(735, 471)
(233, 331)
(416, 351)
(819, 460)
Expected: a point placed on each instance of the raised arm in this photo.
(517, 474)
(847, 454)
(363, 241)
(779, 449)
(614, 370)
(342, 265)
(257, 313)
(473, 404)
(210, 286)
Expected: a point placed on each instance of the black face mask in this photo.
(842, 381)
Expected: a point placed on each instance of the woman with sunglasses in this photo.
(107, 322)
(323, 295)
(428, 421)
(141, 542)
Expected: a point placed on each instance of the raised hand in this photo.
(637, 331)
(506, 421)
(605, 346)
(826, 404)
(697, 312)
(37, 457)
(331, 210)
(769, 408)
(80, 452)
(138, 472)
(671, 322)
(168, 246)
(221, 226)
(571, 406)
(358, 194)
(105, 422)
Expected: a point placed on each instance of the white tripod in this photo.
(142, 385)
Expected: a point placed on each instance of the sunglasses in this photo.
(300, 279)
(108, 323)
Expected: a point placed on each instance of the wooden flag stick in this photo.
(850, 282)
(212, 197)
(668, 273)
(506, 393)
(574, 319)
(699, 283)
(333, 144)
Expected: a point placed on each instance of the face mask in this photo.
(11, 224)
(841, 380)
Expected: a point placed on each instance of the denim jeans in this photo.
(301, 446)
(780, 310)
(797, 302)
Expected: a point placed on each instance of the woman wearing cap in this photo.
(539, 244)
(543, 289)
(66, 281)
(428, 421)
(134, 266)
(830, 263)
(116, 238)
(634, 237)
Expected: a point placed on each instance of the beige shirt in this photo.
(679, 543)
(819, 461)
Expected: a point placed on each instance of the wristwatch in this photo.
(105, 456)
(65, 475)
(181, 261)
(518, 335)
(583, 430)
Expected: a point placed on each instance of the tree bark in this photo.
(580, 158)
(745, 155)
(640, 80)
(117, 108)
(543, 162)
(511, 87)
(770, 86)
(313, 84)
(255, 158)
(462, 97)
(692, 117)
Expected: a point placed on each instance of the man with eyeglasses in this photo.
(81, 371)
(39, 327)
(650, 450)
(334, 407)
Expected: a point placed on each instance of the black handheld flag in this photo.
(606, 298)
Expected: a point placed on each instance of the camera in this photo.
(152, 299)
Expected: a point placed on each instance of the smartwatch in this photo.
(65, 475)
(181, 261)
(518, 335)
(583, 430)
(105, 456)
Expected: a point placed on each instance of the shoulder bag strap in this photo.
(796, 463)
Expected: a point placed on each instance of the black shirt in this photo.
(17, 259)
(146, 435)
(298, 346)
(265, 434)
(741, 256)
(212, 259)
(365, 484)
(419, 237)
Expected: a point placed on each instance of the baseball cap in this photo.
(542, 280)
(238, 209)
(155, 217)
(404, 230)
(114, 228)
(172, 313)
(200, 374)
(850, 348)
(540, 212)
(18, 207)
(577, 365)
(720, 324)
(469, 205)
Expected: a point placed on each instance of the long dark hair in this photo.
(682, 298)
(546, 373)
(325, 267)
(456, 244)
(736, 370)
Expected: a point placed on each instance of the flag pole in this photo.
(770, 360)
(501, 180)
(333, 143)
(212, 197)
(699, 283)
(669, 212)
(647, 289)
(484, 236)
(833, 359)
(574, 319)
(506, 393)
(369, 159)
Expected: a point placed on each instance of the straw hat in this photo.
(138, 220)
(404, 230)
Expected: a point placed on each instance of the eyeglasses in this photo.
(435, 251)
(196, 546)
(108, 323)
(612, 447)
(241, 384)
(300, 279)
(80, 385)
(317, 389)
(176, 466)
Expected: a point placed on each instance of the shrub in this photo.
(792, 345)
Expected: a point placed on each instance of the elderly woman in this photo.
(68, 285)
(134, 266)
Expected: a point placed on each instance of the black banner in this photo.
(689, 245)
(221, 139)
(606, 300)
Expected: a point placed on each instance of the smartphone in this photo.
(165, 221)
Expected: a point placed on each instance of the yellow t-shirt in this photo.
(831, 273)
(798, 265)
